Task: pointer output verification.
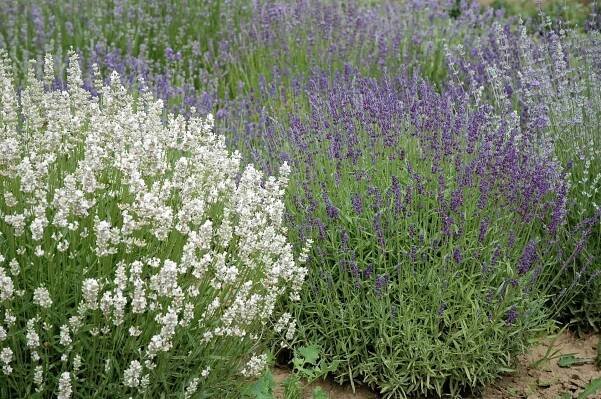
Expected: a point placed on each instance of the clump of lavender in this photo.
(553, 82)
(133, 249)
(407, 193)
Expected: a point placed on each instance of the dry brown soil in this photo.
(547, 380)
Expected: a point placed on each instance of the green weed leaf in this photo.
(592, 388)
(319, 393)
(571, 360)
(262, 388)
(308, 354)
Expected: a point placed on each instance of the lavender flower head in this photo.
(512, 315)
(529, 256)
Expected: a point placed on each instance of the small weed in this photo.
(292, 387)
(570, 360)
(308, 365)
(262, 388)
(591, 389)
(552, 352)
(319, 393)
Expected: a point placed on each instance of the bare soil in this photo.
(546, 380)
(538, 375)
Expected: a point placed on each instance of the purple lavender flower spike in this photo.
(529, 256)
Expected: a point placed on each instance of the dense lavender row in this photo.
(238, 44)
(445, 160)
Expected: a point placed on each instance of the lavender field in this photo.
(241, 199)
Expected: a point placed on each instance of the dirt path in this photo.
(538, 374)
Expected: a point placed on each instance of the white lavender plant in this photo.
(137, 258)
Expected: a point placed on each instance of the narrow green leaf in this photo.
(571, 360)
(592, 388)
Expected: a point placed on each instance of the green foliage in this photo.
(584, 308)
(305, 356)
(437, 325)
(578, 146)
(292, 387)
(567, 12)
(309, 365)
(552, 352)
(262, 388)
(567, 92)
(567, 361)
(138, 28)
(591, 389)
(319, 393)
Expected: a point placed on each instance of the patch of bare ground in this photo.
(537, 378)
(538, 374)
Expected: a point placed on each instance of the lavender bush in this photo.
(553, 83)
(433, 222)
(138, 258)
